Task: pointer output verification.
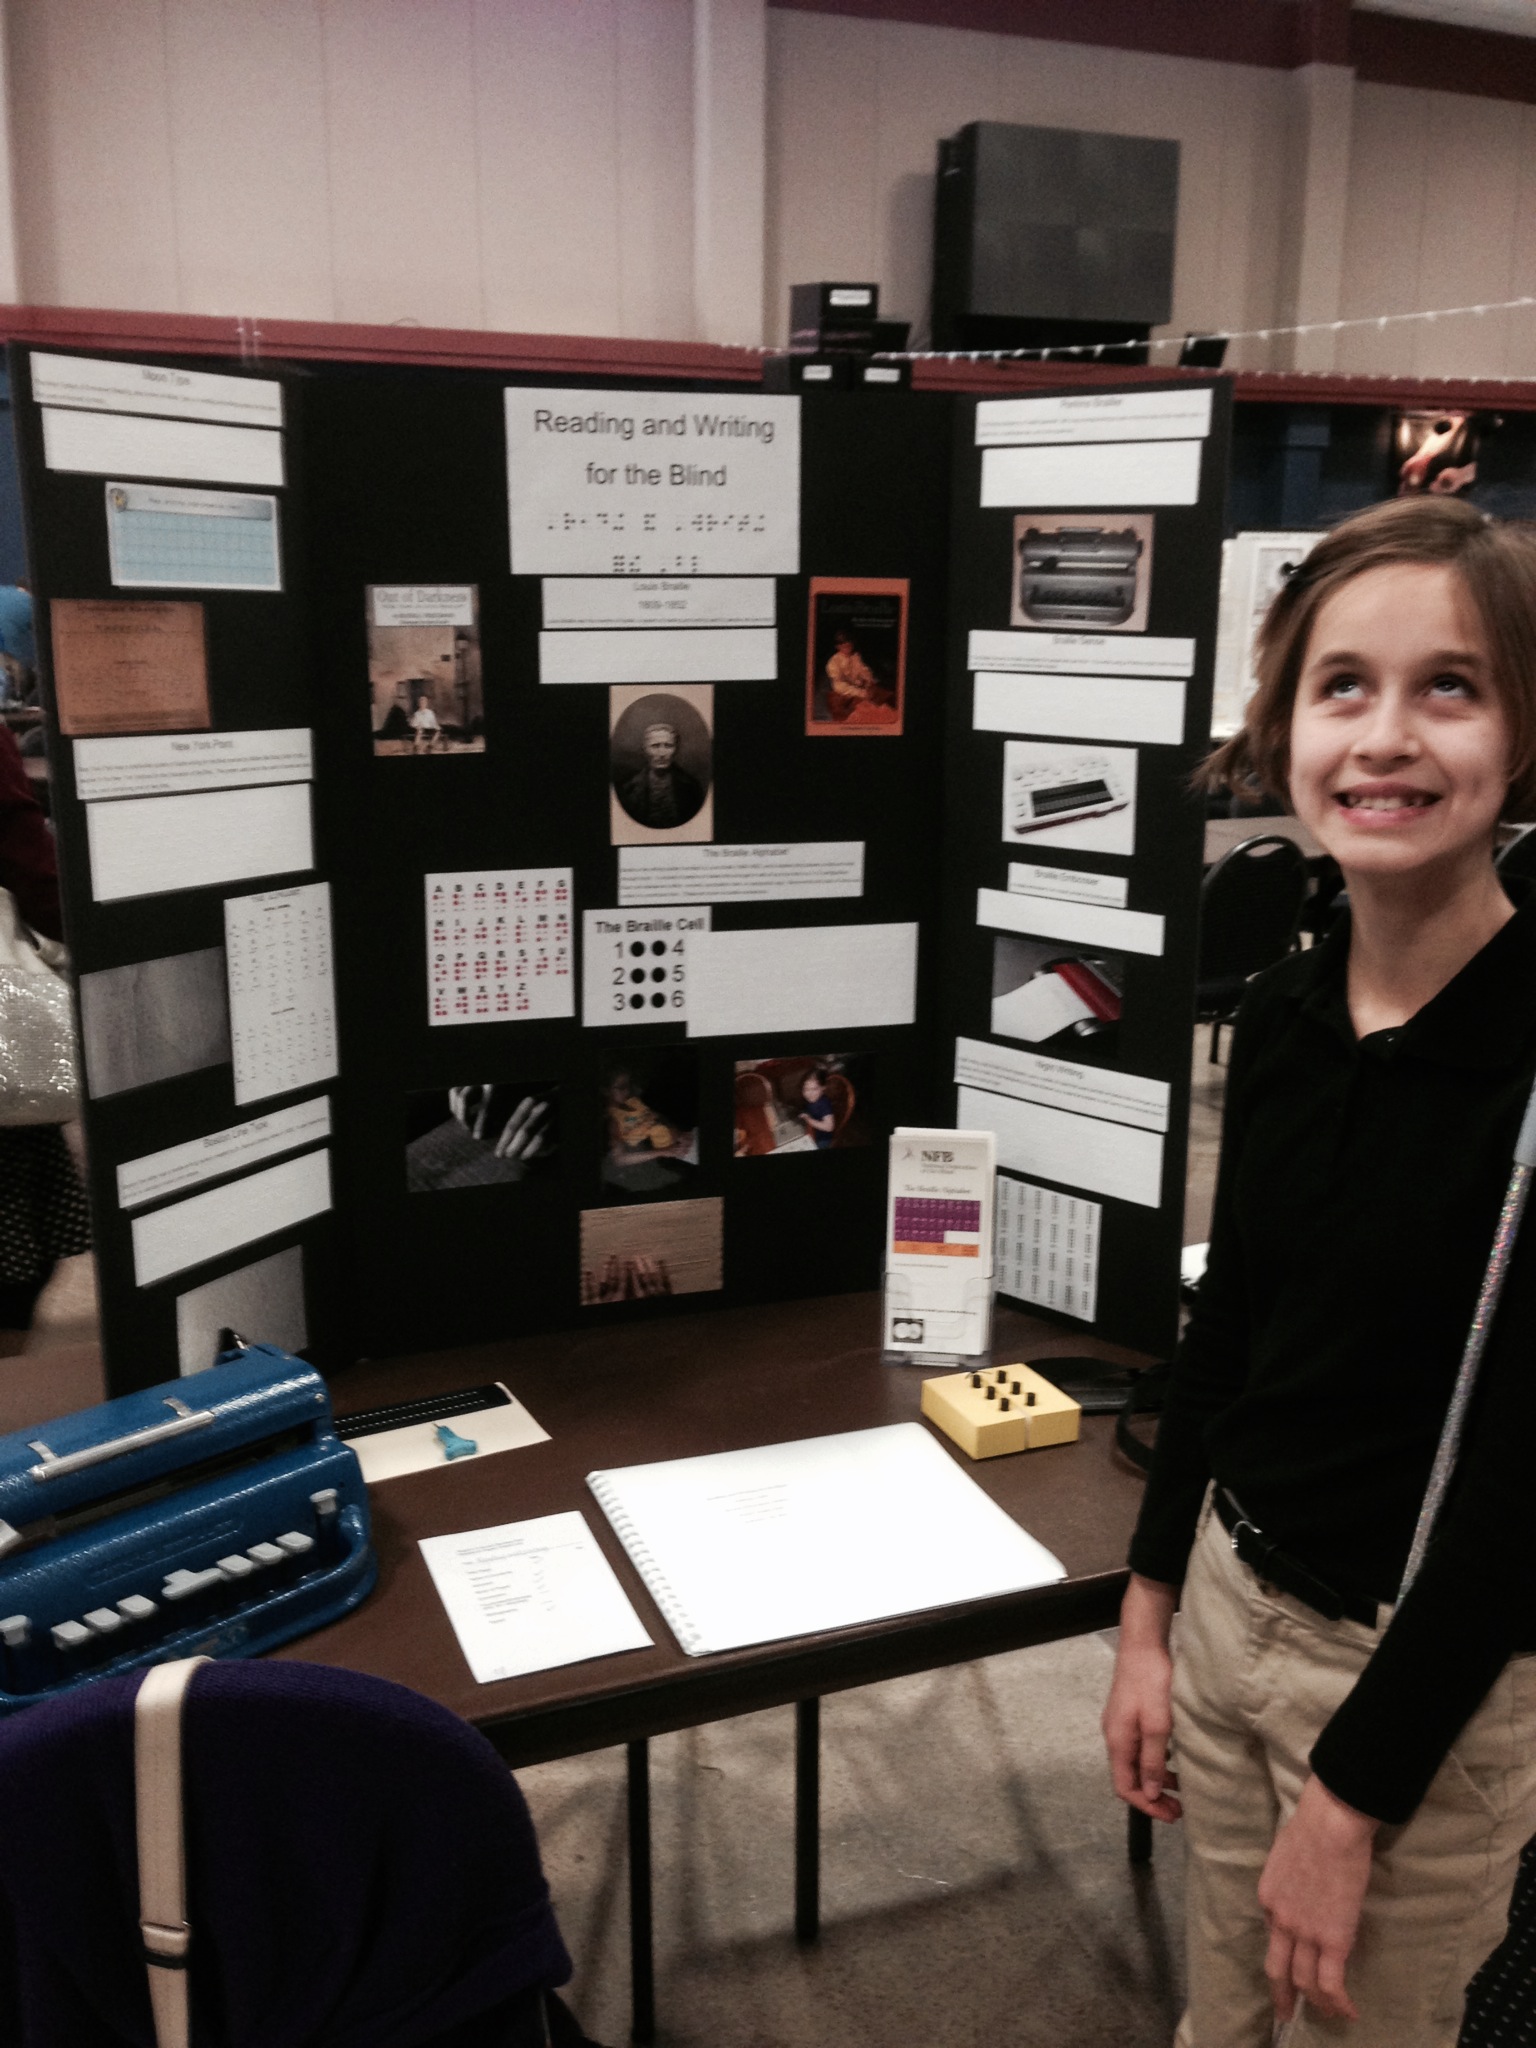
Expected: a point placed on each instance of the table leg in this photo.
(1138, 1836)
(642, 1961)
(807, 1820)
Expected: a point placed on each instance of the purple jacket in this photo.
(362, 1871)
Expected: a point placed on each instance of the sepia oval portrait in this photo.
(660, 761)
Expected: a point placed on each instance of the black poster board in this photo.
(398, 478)
(1093, 581)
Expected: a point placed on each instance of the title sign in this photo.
(651, 483)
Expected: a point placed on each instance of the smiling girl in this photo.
(1357, 1781)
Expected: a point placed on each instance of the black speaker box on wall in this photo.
(1068, 234)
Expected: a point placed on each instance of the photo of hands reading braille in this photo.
(483, 1134)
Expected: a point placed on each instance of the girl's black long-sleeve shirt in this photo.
(1360, 1185)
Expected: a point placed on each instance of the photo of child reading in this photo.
(809, 1102)
(857, 658)
(651, 1107)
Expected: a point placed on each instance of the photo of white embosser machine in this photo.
(215, 1516)
(1078, 576)
(1042, 793)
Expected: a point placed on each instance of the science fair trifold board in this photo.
(475, 934)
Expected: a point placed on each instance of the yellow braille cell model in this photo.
(999, 1409)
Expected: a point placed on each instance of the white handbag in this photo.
(39, 1059)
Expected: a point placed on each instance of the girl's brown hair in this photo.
(1497, 566)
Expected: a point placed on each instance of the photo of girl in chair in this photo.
(808, 1102)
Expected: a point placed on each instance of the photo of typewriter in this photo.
(216, 1516)
(1055, 792)
(1084, 576)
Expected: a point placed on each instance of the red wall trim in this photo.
(1267, 32)
(1385, 49)
(1395, 49)
(566, 355)
(1275, 387)
(257, 339)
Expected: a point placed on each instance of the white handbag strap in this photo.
(162, 1845)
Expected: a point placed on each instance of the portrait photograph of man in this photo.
(661, 767)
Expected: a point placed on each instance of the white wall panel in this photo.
(856, 110)
(400, 132)
(246, 96)
(655, 169)
(1442, 212)
(95, 218)
(548, 134)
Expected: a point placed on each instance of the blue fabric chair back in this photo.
(362, 1871)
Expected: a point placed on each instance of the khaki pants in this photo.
(1256, 1677)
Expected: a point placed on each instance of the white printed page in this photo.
(282, 997)
(531, 1595)
(791, 1539)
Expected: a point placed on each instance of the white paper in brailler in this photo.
(686, 654)
(529, 1596)
(1088, 924)
(206, 1226)
(120, 444)
(1102, 473)
(1078, 1151)
(1141, 709)
(841, 977)
(1177, 415)
(147, 846)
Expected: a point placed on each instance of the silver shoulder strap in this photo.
(163, 1926)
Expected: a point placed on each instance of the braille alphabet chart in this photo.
(634, 964)
(499, 946)
(282, 1001)
(1047, 1247)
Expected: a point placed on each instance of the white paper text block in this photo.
(658, 601)
(158, 1174)
(778, 871)
(121, 444)
(1078, 1151)
(159, 764)
(1077, 654)
(206, 1226)
(146, 846)
(1063, 1084)
(1087, 924)
(841, 977)
(1102, 473)
(680, 654)
(1136, 708)
(1076, 416)
(104, 384)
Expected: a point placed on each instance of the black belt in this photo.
(1279, 1568)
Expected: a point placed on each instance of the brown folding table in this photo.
(669, 1387)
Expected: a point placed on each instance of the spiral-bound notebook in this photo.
(750, 1546)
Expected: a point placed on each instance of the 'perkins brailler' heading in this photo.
(706, 425)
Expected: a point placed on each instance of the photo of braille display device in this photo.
(1086, 571)
(1043, 793)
